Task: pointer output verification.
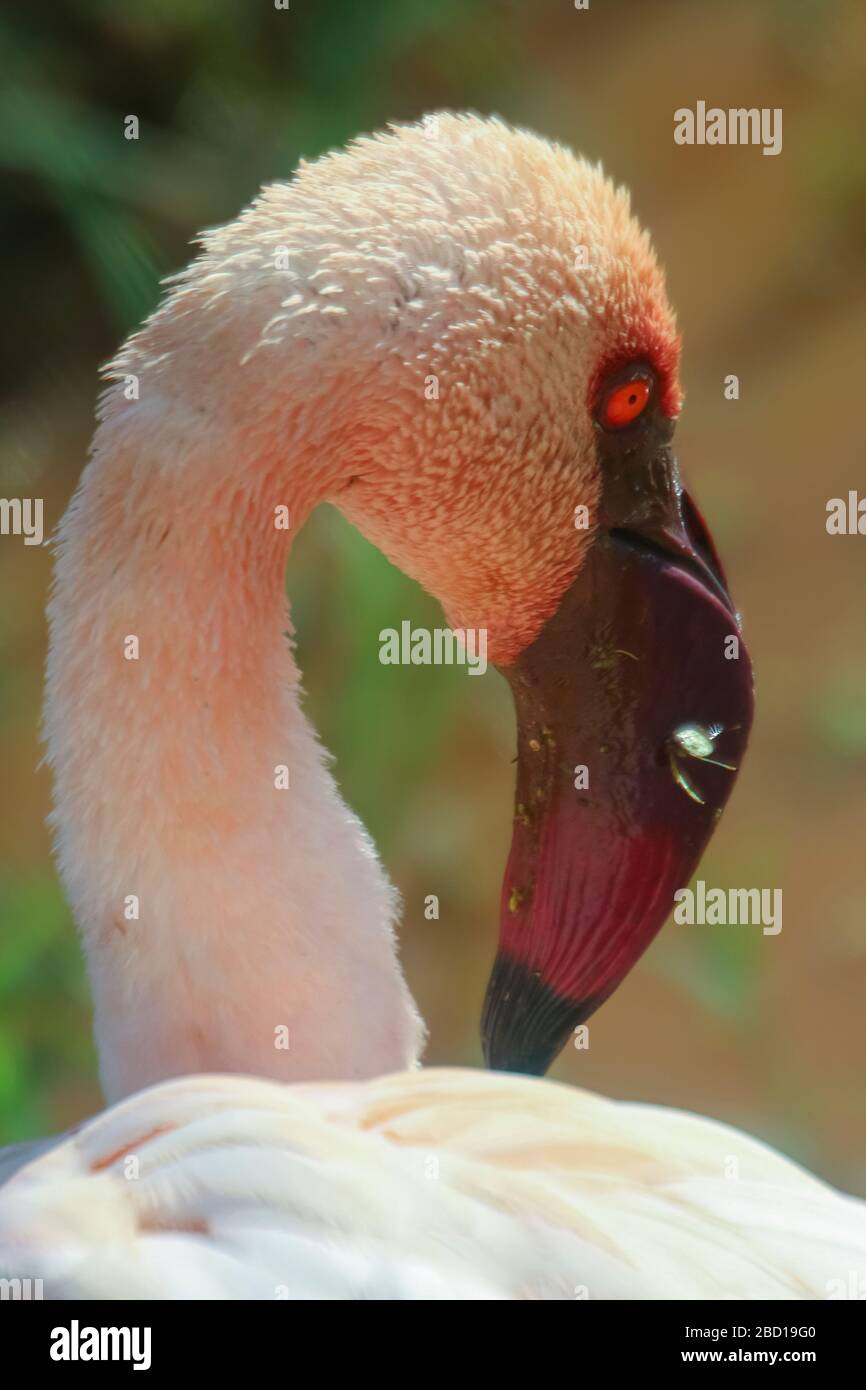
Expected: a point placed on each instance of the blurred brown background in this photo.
(766, 268)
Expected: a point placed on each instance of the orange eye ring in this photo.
(625, 403)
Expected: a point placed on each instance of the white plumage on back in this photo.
(436, 1184)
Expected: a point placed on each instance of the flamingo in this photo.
(457, 333)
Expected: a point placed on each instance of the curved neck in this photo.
(233, 912)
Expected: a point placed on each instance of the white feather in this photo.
(440, 1184)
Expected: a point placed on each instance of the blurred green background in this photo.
(767, 270)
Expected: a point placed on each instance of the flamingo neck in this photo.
(233, 911)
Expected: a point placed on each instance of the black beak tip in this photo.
(525, 1024)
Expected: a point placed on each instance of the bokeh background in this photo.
(767, 270)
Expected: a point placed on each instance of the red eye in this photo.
(625, 404)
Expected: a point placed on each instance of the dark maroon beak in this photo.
(628, 701)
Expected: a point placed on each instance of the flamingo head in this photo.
(546, 506)
(484, 379)
(576, 545)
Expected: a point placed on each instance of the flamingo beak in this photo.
(634, 705)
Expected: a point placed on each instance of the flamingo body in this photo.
(435, 1184)
(509, 275)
